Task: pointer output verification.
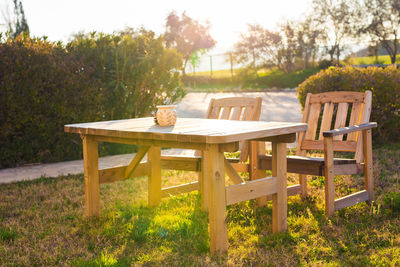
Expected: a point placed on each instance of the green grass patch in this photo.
(42, 223)
(370, 60)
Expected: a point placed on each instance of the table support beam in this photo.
(154, 179)
(91, 174)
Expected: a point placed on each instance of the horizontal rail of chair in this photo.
(350, 129)
(250, 190)
(347, 146)
(180, 189)
(313, 166)
(338, 97)
(351, 200)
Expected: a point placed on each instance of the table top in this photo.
(193, 130)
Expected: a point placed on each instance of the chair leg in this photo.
(329, 177)
(368, 170)
(303, 184)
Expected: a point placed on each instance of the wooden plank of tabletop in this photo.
(187, 129)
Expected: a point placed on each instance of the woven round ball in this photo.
(166, 115)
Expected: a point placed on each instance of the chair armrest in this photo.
(354, 128)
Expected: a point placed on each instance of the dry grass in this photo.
(42, 223)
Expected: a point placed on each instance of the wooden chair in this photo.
(231, 108)
(348, 114)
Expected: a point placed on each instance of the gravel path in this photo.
(276, 106)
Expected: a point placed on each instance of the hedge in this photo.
(45, 85)
(385, 86)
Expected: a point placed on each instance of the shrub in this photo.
(385, 86)
(44, 86)
(41, 88)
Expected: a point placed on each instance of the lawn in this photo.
(42, 223)
(371, 60)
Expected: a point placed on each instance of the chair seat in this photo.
(312, 165)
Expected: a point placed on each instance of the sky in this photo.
(59, 19)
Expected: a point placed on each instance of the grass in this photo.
(42, 223)
(371, 60)
(271, 79)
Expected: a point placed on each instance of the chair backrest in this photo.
(236, 108)
(332, 110)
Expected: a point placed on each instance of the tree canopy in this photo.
(187, 36)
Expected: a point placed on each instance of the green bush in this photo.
(41, 88)
(385, 86)
(44, 86)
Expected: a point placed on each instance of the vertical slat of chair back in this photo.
(236, 108)
(336, 106)
(365, 115)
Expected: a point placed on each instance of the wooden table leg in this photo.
(279, 200)
(91, 174)
(217, 200)
(154, 178)
(204, 182)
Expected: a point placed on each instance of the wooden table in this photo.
(213, 137)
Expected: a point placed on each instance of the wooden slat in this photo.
(351, 200)
(368, 170)
(366, 113)
(306, 114)
(154, 178)
(313, 166)
(341, 116)
(225, 113)
(247, 112)
(236, 112)
(250, 190)
(348, 169)
(349, 146)
(337, 97)
(326, 119)
(180, 189)
(183, 163)
(329, 177)
(354, 120)
(354, 128)
(118, 173)
(313, 118)
(91, 176)
(136, 160)
(232, 174)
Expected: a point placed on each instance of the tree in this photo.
(335, 16)
(16, 23)
(308, 35)
(187, 36)
(257, 48)
(382, 24)
(21, 24)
